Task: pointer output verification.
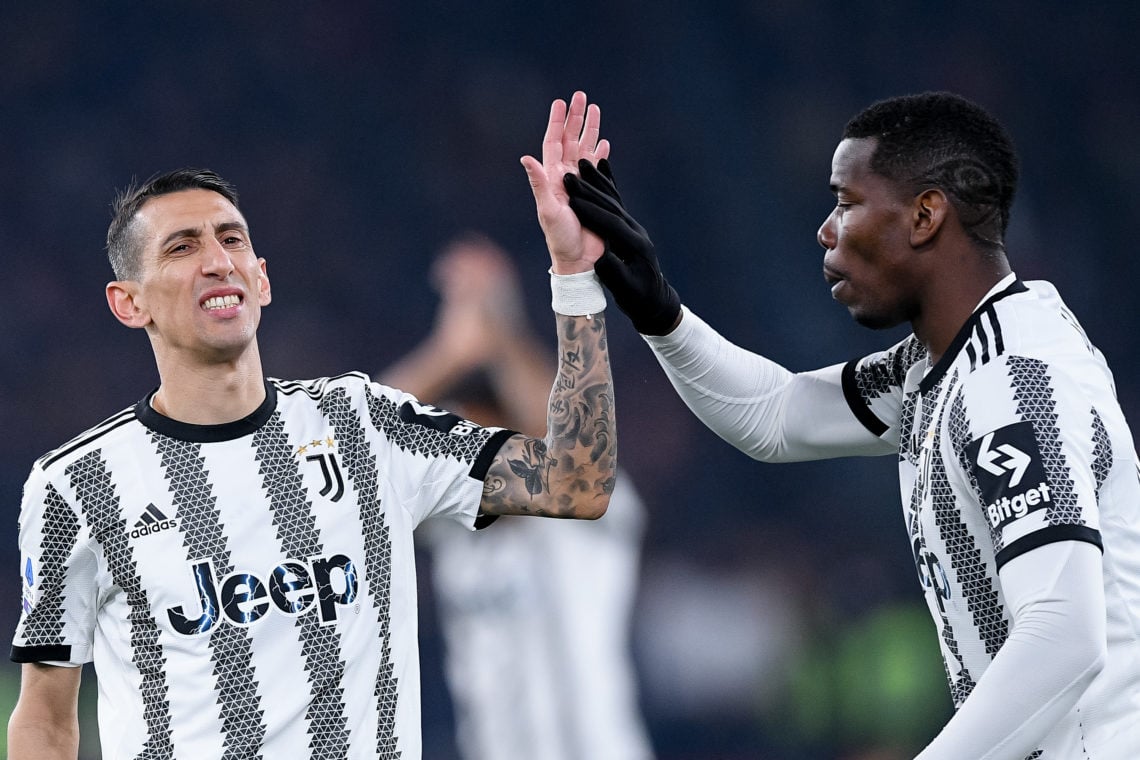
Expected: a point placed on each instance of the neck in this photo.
(211, 395)
(951, 302)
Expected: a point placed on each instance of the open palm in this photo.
(571, 134)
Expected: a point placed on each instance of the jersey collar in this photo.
(185, 431)
(1007, 286)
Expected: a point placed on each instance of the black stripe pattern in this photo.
(1035, 402)
(231, 649)
(1102, 451)
(99, 500)
(877, 376)
(44, 625)
(361, 466)
(297, 531)
(965, 554)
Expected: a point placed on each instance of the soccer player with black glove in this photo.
(1016, 465)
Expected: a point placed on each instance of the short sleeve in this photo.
(874, 386)
(1037, 454)
(58, 577)
(437, 459)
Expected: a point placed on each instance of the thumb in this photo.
(535, 174)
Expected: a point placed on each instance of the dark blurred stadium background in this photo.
(780, 616)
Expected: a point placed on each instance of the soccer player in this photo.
(1018, 472)
(234, 552)
(570, 681)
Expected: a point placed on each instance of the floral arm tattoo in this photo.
(570, 472)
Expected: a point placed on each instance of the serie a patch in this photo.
(28, 597)
(1007, 466)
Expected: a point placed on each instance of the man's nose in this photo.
(216, 259)
(826, 234)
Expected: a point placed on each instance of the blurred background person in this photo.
(535, 622)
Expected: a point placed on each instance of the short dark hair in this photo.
(122, 247)
(939, 139)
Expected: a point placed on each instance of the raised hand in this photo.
(571, 135)
(628, 268)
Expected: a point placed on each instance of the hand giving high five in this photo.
(571, 134)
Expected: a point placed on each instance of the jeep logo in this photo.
(292, 588)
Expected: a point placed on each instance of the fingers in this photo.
(605, 169)
(588, 142)
(579, 188)
(536, 174)
(602, 152)
(553, 148)
(604, 222)
(599, 178)
(590, 147)
(573, 133)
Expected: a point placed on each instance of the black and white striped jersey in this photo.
(1012, 440)
(247, 590)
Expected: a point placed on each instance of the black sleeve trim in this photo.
(1049, 536)
(855, 401)
(57, 653)
(482, 520)
(482, 462)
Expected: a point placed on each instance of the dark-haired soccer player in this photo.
(234, 553)
(1017, 469)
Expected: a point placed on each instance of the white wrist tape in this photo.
(576, 295)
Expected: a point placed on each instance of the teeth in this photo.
(221, 302)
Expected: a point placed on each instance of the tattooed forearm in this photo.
(533, 466)
(571, 472)
(581, 403)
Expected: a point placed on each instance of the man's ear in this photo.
(122, 298)
(264, 295)
(931, 209)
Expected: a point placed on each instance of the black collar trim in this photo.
(943, 365)
(228, 431)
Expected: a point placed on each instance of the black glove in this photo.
(628, 268)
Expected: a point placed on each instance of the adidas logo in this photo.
(152, 521)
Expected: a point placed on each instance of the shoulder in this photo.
(114, 428)
(883, 370)
(353, 393)
(350, 389)
(1037, 322)
(1030, 349)
(1025, 327)
(318, 388)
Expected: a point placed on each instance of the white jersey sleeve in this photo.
(461, 451)
(58, 568)
(1056, 647)
(765, 410)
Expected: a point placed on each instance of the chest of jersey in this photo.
(228, 533)
(952, 541)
